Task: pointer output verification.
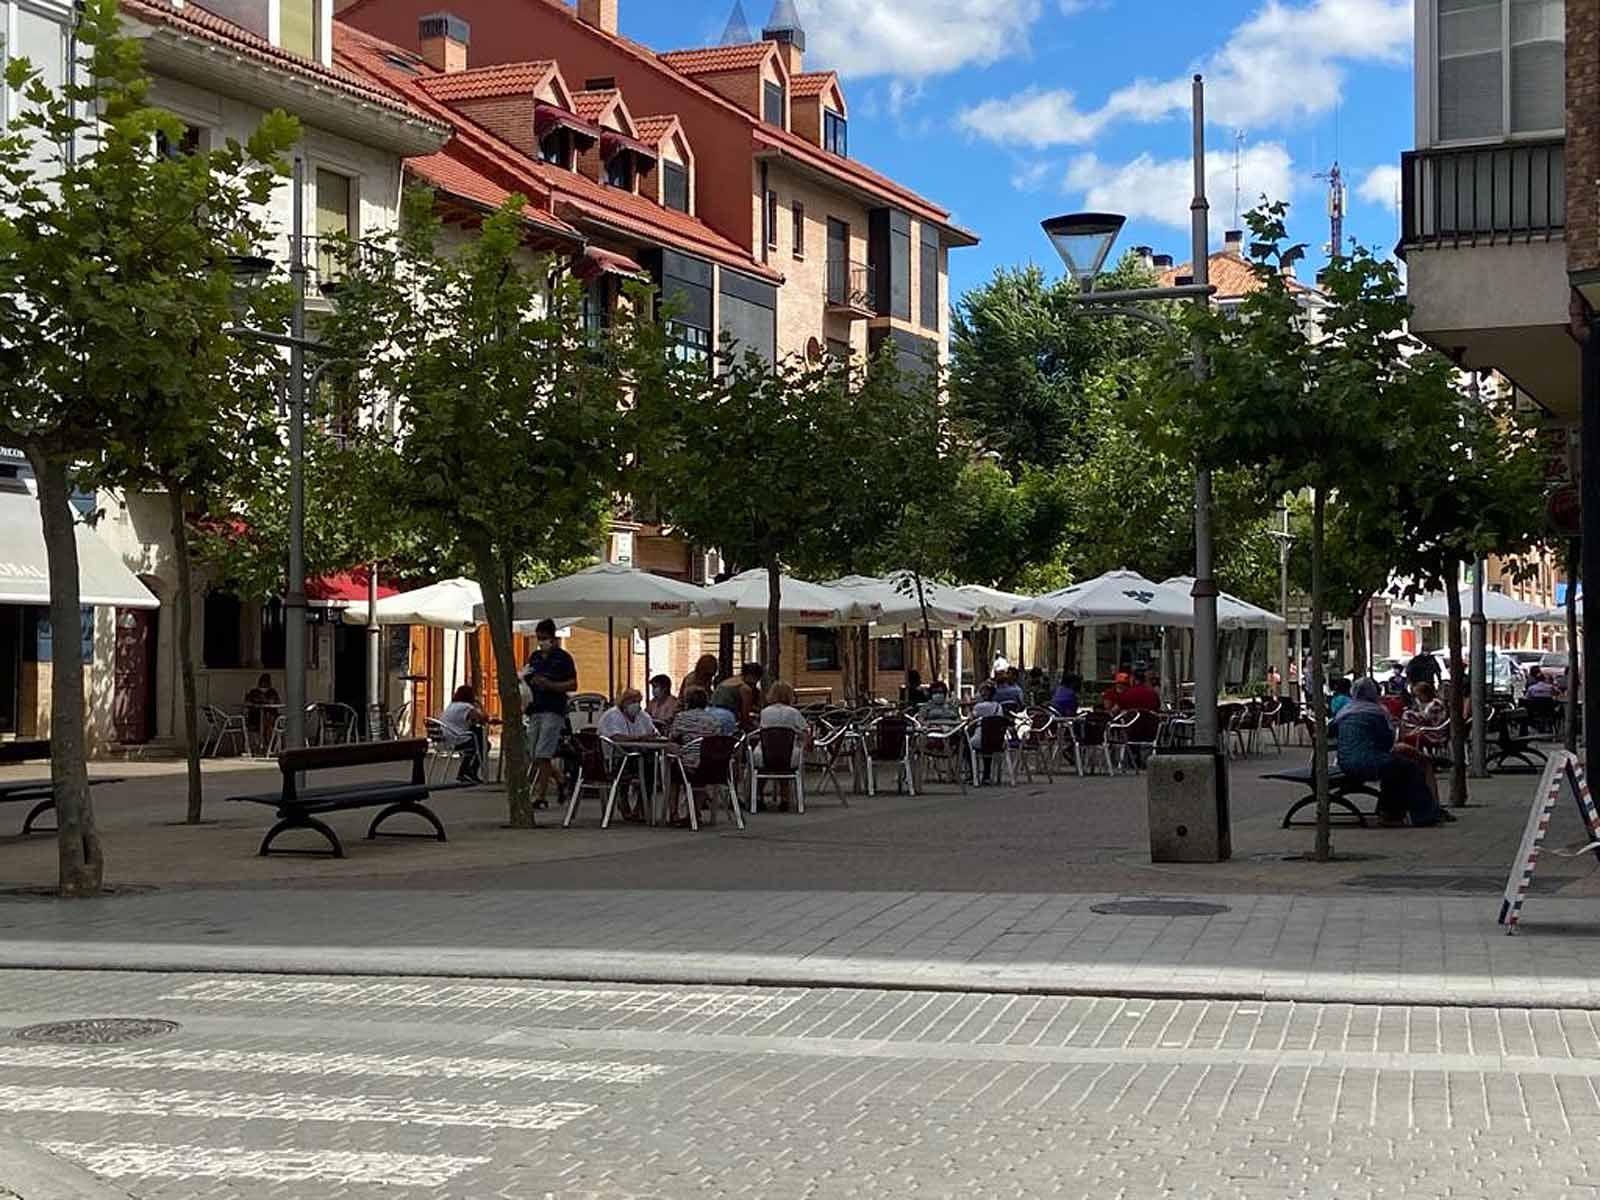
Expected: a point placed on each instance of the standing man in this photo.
(551, 676)
(1423, 668)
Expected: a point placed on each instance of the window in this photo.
(274, 635)
(772, 220)
(333, 204)
(555, 148)
(839, 350)
(772, 104)
(42, 642)
(675, 186)
(929, 282)
(835, 133)
(186, 147)
(891, 654)
(297, 27)
(686, 297)
(689, 343)
(889, 243)
(222, 646)
(822, 649)
(597, 308)
(799, 230)
(749, 314)
(1501, 68)
(619, 170)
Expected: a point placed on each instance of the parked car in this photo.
(1503, 679)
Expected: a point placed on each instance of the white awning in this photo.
(25, 571)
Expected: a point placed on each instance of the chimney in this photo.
(442, 40)
(784, 27)
(1145, 256)
(1233, 243)
(1162, 262)
(602, 14)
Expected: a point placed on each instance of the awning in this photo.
(103, 580)
(596, 262)
(547, 117)
(343, 590)
(611, 142)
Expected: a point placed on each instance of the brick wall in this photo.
(1583, 134)
(507, 117)
(802, 300)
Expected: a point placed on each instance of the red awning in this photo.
(611, 142)
(547, 117)
(347, 587)
(596, 262)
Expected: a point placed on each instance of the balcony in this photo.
(331, 260)
(852, 290)
(1511, 193)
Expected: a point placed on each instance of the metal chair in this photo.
(773, 757)
(1135, 736)
(829, 746)
(713, 771)
(1037, 736)
(220, 726)
(339, 724)
(586, 709)
(1087, 741)
(945, 747)
(603, 768)
(889, 740)
(993, 739)
(441, 750)
(1271, 713)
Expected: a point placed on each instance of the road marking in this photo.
(487, 996)
(267, 1062)
(288, 1106)
(275, 1166)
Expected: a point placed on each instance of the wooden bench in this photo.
(40, 792)
(298, 808)
(1340, 789)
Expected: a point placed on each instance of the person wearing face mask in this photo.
(551, 676)
(625, 722)
(663, 706)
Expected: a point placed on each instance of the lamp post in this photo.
(1285, 540)
(1084, 241)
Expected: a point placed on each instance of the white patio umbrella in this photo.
(1115, 598)
(618, 595)
(1498, 608)
(799, 603)
(994, 606)
(896, 595)
(1558, 614)
(1232, 612)
(447, 605)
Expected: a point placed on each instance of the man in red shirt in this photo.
(1112, 699)
(1141, 697)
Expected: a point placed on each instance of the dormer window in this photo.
(835, 133)
(772, 104)
(620, 170)
(555, 148)
(297, 27)
(675, 186)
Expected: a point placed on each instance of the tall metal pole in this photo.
(374, 658)
(1588, 655)
(1205, 584)
(1480, 674)
(294, 603)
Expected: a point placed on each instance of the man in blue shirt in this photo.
(551, 676)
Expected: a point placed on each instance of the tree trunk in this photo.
(982, 653)
(178, 511)
(82, 866)
(1319, 699)
(1360, 652)
(1459, 685)
(475, 663)
(927, 631)
(774, 621)
(513, 748)
(1574, 674)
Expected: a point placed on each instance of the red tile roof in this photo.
(652, 129)
(814, 84)
(717, 60)
(511, 79)
(500, 165)
(590, 104)
(1231, 275)
(200, 22)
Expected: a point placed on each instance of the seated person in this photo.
(693, 722)
(940, 709)
(1421, 727)
(916, 694)
(987, 706)
(1341, 696)
(259, 702)
(704, 676)
(1367, 752)
(1038, 689)
(465, 728)
(1112, 700)
(780, 713)
(1395, 685)
(1141, 697)
(1007, 692)
(663, 706)
(628, 721)
(726, 704)
(1539, 685)
(1065, 698)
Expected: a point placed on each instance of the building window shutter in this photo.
(1471, 69)
(1538, 66)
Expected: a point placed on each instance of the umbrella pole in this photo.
(646, 688)
(611, 659)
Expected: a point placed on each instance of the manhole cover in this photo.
(100, 1031)
(1159, 908)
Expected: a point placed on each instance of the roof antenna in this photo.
(1238, 174)
(737, 32)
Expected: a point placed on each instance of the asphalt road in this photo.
(276, 1086)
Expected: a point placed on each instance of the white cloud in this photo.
(1287, 61)
(1382, 187)
(1033, 118)
(1160, 190)
(915, 40)
(1032, 176)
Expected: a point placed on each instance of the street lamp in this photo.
(1084, 241)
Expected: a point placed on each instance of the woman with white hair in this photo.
(1365, 737)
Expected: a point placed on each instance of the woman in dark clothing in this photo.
(1367, 752)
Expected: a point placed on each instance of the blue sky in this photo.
(1009, 111)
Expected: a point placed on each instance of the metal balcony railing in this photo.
(331, 260)
(1484, 195)
(853, 286)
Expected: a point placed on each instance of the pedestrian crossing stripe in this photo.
(327, 1066)
(285, 1106)
(121, 1161)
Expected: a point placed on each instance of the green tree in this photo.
(1359, 557)
(511, 417)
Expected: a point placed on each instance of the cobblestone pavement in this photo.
(280, 1087)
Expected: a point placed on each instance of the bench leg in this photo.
(1311, 802)
(38, 811)
(286, 824)
(415, 809)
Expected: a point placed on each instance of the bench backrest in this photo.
(24, 750)
(356, 754)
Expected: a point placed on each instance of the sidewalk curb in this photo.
(36, 1174)
(754, 970)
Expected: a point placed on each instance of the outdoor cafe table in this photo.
(661, 749)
